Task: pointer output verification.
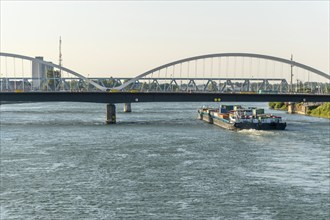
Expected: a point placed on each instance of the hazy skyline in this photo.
(111, 38)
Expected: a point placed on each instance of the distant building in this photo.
(39, 73)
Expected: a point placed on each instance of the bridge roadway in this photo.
(129, 97)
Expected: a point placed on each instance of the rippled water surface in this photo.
(61, 161)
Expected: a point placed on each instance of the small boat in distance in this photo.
(235, 117)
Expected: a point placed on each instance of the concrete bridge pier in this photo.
(291, 107)
(127, 107)
(111, 114)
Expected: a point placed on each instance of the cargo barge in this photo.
(237, 118)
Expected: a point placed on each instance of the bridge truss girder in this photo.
(148, 84)
(207, 85)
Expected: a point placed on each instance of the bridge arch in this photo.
(55, 66)
(250, 55)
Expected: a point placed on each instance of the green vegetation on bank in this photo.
(321, 111)
(278, 105)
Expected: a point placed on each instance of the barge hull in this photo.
(206, 117)
(223, 124)
(259, 126)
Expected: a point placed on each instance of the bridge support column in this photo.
(111, 114)
(127, 107)
(291, 107)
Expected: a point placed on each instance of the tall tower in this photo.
(60, 54)
(291, 85)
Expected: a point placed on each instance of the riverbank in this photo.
(314, 109)
(283, 106)
(322, 111)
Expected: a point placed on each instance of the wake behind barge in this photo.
(236, 118)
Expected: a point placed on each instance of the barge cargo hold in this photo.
(236, 118)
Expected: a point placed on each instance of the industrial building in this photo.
(39, 73)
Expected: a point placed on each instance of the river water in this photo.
(61, 161)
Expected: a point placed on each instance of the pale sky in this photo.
(127, 38)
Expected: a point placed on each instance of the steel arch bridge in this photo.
(219, 55)
(49, 64)
(207, 73)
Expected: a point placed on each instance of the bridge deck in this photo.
(127, 97)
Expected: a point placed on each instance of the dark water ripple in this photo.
(60, 161)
